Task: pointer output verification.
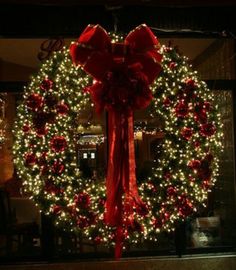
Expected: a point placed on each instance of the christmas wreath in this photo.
(182, 175)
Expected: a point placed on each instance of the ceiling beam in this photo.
(159, 3)
(43, 21)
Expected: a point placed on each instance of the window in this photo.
(211, 229)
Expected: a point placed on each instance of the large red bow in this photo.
(123, 72)
(95, 52)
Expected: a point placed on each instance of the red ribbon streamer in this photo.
(123, 73)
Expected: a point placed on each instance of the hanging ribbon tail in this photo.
(130, 183)
(121, 177)
(114, 179)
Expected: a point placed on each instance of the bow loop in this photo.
(144, 46)
(92, 51)
(141, 39)
(95, 37)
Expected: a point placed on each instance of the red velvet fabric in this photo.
(122, 73)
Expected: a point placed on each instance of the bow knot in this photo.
(119, 51)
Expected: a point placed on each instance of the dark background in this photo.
(53, 18)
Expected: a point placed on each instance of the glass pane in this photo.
(215, 225)
(212, 227)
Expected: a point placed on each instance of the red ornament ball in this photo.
(39, 119)
(196, 144)
(56, 209)
(34, 102)
(184, 205)
(181, 109)
(190, 83)
(171, 191)
(166, 102)
(172, 65)
(133, 225)
(42, 160)
(58, 167)
(209, 157)
(194, 164)
(166, 216)
(58, 143)
(207, 105)
(142, 209)
(51, 117)
(206, 184)
(91, 217)
(46, 85)
(82, 200)
(62, 108)
(207, 130)
(82, 222)
(101, 202)
(137, 226)
(44, 170)
(41, 131)
(97, 240)
(200, 117)
(51, 188)
(204, 172)
(26, 128)
(185, 210)
(167, 175)
(187, 133)
(200, 114)
(157, 222)
(30, 159)
(51, 101)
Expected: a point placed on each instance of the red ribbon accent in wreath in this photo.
(122, 73)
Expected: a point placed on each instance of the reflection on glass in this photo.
(215, 224)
